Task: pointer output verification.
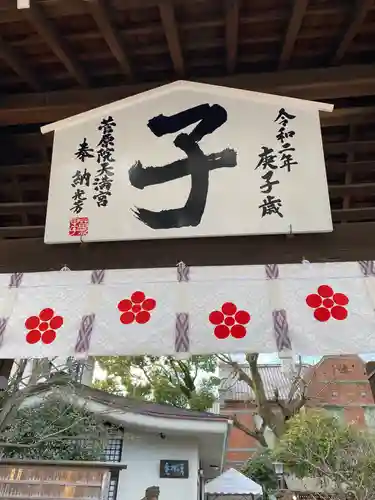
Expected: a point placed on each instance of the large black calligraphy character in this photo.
(196, 164)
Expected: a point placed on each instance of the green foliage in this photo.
(309, 437)
(316, 444)
(188, 383)
(110, 384)
(259, 468)
(50, 430)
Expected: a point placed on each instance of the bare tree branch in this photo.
(256, 434)
(18, 377)
(274, 412)
(239, 372)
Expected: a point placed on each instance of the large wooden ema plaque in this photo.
(55, 480)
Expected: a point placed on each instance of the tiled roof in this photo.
(146, 407)
(134, 405)
(273, 378)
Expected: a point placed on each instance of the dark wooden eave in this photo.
(324, 84)
(348, 242)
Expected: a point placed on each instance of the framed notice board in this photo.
(174, 469)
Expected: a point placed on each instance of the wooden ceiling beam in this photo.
(347, 242)
(8, 8)
(19, 65)
(349, 173)
(353, 214)
(294, 25)
(21, 232)
(232, 24)
(20, 207)
(355, 23)
(363, 189)
(38, 185)
(24, 169)
(350, 146)
(338, 215)
(354, 167)
(100, 11)
(42, 169)
(55, 41)
(169, 22)
(9, 13)
(345, 116)
(18, 195)
(322, 84)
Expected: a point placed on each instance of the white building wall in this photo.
(142, 455)
(215, 408)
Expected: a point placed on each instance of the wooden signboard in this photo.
(174, 469)
(54, 480)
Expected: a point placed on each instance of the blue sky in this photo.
(274, 358)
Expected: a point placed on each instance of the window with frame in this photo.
(113, 453)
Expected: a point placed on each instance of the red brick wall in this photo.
(240, 446)
(339, 380)
(335, 380)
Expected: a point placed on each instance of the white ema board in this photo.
(188, 160)
(311, 309)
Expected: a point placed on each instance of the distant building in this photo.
(340, 384)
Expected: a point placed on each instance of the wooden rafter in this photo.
(345, 116)
(354, 167)
(349, 172)
(355, 22)
(55, 41)
(62, 8)
(349, 146)
(168, 19)
(320, 84)
(37, 185)
(353, 214)
(8, 5)
(100, 11)
(232, 19)
(19, 207)
(17, 191)
(362, 189)
(346, 242)
(25, 169)
(294, 25)
(77, 7)
(21, 232)
(42, 169)
(19, 66)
